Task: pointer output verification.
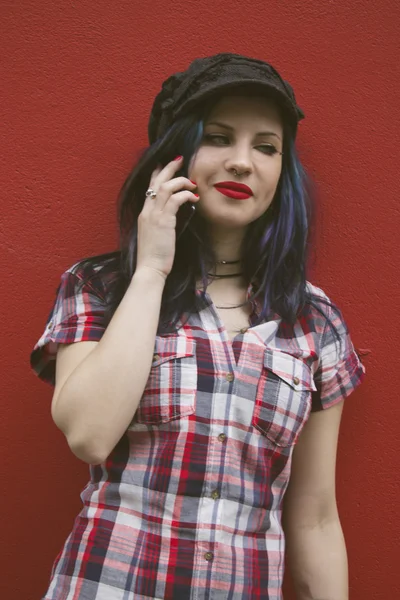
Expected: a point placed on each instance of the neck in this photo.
(227, 245)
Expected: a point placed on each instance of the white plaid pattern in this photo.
(188, 505)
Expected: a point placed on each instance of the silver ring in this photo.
(151, 194)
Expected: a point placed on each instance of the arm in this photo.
(316, 548)
(95, 398)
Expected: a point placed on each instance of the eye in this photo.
(268, 149)
(216, 139)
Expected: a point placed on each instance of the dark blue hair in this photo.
(275, 245)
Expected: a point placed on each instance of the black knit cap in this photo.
(212, 75)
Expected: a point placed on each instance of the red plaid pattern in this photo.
(188, 505)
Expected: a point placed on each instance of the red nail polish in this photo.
(194, 183)
(196, 195)
(178, 158)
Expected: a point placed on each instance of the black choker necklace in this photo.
(214, 276)
(227, 262)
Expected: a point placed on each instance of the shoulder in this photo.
(96, 273)
(79, 311)
(318, 294)
(320, 307)
(338, 369)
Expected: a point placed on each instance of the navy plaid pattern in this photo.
(188, 505)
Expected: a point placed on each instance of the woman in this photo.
(198, 372)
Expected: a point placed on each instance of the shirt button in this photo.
(244, 329)
(222, 437)
(156, 357)
(50, 325)
(209, 556)
(229, 377)
(215, 495)
(296, 381)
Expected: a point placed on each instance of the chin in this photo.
(227, 222)
(228, 218)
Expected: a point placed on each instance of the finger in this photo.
(159, 176)
(169, 171)
(166, 189)
(176, 201)
(149, 202)
(154, 176)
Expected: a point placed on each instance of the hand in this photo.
(157, 221)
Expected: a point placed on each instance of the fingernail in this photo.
(194, 183)
(178, 158)
(196, 195)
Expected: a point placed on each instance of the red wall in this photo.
(78, 79)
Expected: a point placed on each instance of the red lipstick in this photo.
(235, 190)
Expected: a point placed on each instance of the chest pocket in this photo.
(283, 400)
(170, 391)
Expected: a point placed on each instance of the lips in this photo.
(239, 191)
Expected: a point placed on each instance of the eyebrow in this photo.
(260, 133)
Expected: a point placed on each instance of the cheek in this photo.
(192, 167)
(201, 165)
(272, 178)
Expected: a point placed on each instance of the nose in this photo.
(239, 159)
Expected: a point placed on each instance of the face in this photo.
(242, 141)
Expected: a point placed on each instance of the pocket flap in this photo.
(170, 391)
(171, 347)
(293, 371)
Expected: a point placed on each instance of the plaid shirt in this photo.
(189, 503)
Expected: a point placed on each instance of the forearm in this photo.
(317, 560)
(98, 400)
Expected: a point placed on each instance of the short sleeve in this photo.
(77, 315)
(340, 370)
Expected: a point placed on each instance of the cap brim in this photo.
(267, 89)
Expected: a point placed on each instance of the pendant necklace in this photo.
(227, 262)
